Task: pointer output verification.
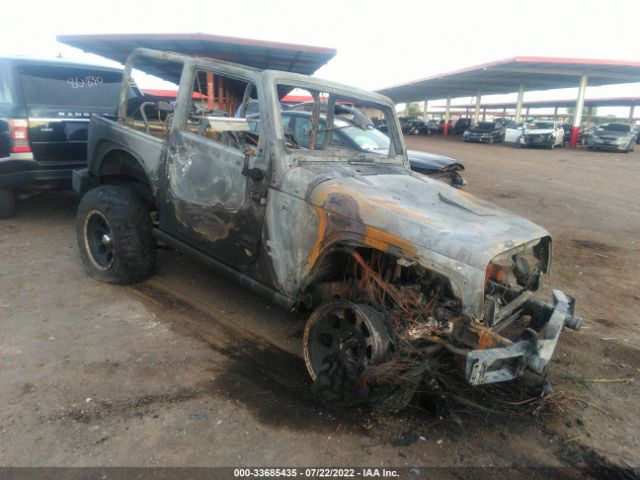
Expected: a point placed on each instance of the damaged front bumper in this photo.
(510, 361)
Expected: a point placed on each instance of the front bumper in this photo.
(17, 173)
(477, 139)
(510, 361)
(536, 141)
(614, 147)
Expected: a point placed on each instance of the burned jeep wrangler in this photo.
(393, 265)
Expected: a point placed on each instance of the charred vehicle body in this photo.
(393, 264)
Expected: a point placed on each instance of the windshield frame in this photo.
(337, 93)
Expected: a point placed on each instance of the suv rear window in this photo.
(69, 86)
(5, 84)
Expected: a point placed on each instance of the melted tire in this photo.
(134, 248)
(341, 379)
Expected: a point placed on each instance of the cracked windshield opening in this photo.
(328, 125)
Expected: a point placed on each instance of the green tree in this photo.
(414, 109)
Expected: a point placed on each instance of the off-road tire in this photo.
(7, 203)
(129, 220)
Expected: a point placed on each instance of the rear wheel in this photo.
(7, 203)
(113, 230)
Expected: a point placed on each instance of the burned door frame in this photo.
(229, 231)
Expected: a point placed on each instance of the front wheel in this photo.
(347, 350)
(113, 230)
(7, 203)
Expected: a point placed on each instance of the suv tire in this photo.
(113, 230)
(7, 203)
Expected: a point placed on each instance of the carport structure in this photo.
(629, 102)
(259, 54)
(517, 74)
(253, 53)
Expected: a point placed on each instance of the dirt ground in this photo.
(188, 369)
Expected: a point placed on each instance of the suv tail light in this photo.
(19, 136)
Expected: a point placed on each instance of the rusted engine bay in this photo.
(420, 304)
(422, 316)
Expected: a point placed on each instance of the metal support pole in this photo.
(476, 114)
(555, 113)
(631, 113)
(519, 103)
(484, 114)
(447, 116)
(210, 92)
(425, 108)
(577, 118)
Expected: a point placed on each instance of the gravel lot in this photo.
(189, 369)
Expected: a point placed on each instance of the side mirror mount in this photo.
(254, 173)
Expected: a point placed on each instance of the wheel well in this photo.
(119, 167)
(346, 272)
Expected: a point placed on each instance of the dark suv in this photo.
(45, 107)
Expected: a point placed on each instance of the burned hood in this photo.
(417, 209)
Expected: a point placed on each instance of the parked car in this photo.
(380, 124)
(612, 136)
(413, 126)
(461, 126)
(348, 134)
(485, 132)
(547, 134)
(433, 126)
(393, 265)
(45, 107)
(512, 131)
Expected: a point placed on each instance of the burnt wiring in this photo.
(415, 304)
